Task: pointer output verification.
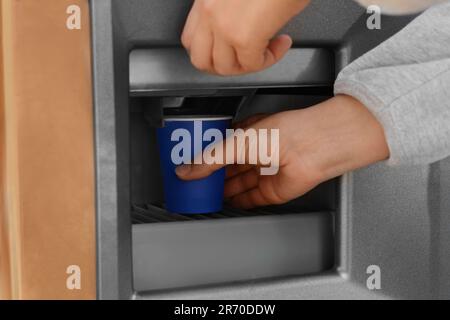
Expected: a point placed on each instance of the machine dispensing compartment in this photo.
(178, 251)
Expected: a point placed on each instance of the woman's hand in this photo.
(315, 144)
(232, 37)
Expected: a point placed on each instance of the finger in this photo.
(250, 199)
(203, 166)
(259, 58)
(201, 48)
(197, 171)
(250, 59)
(191, 25)
(224, 58)
(241, 183)
(234, 170)
(277, 49)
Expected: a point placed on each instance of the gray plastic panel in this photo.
(182, 254)
(330, 286)
(170, 69)
(160, 22)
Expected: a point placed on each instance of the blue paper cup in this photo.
(180, 140)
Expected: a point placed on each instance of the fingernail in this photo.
(183, 170)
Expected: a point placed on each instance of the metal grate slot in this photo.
(154, 213)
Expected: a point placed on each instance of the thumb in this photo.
(277, 49)
(203, 165)
(196, 171)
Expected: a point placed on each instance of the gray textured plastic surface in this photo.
(183, 254)
(170, 69)
(158, 23)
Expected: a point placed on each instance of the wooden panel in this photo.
(48, 220)
(5, 272)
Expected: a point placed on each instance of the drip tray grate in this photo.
(154, 213)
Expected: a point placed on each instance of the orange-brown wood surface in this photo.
(46, 141)
(5, 273)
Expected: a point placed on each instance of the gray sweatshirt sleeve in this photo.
(405, 83)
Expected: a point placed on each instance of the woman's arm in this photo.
(405, 83)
